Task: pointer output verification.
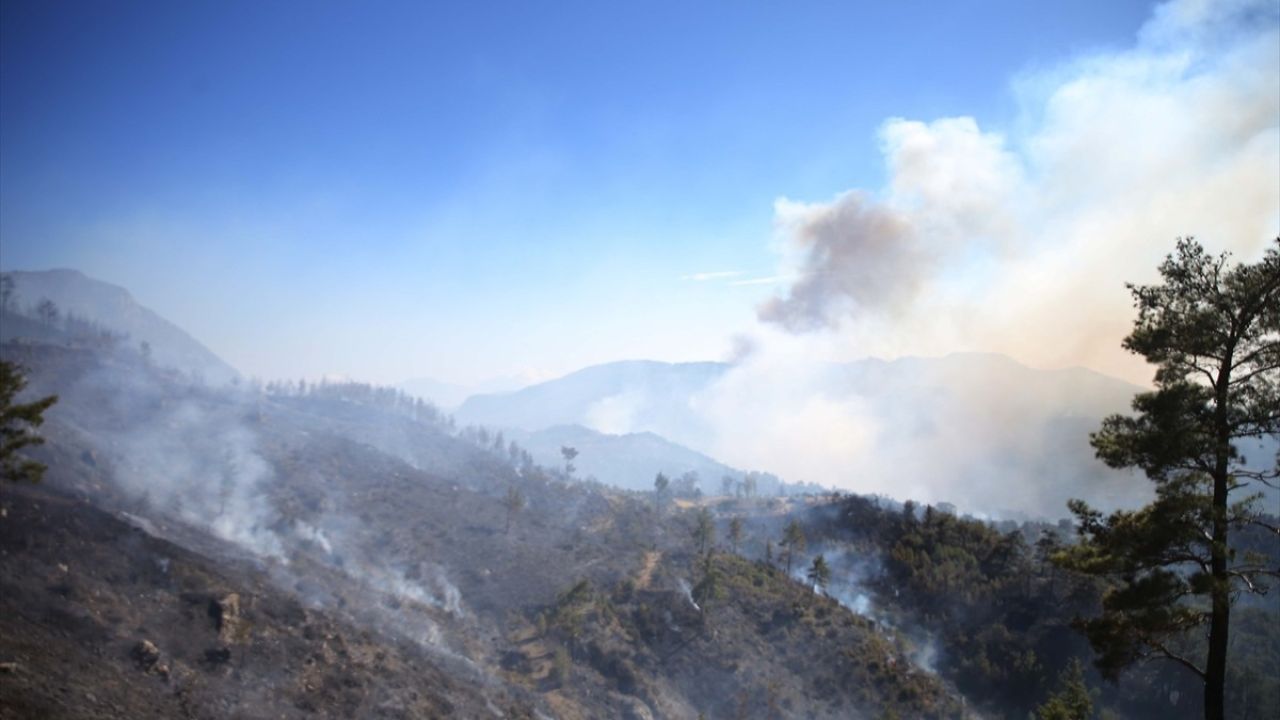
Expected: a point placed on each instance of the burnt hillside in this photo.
(329, 516)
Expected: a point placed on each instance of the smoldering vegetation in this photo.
(543, 591)
(373, 509)
(981, 604)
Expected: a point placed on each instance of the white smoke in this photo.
(1021, 242)
(615, 415)
(433, 589)
(196, 462)
(1017, 242)
(688, 593)
(307, 531)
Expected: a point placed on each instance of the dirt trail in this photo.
(651, 559)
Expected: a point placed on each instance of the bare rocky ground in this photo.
(101, 620)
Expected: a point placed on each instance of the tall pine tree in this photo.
(1213, 333)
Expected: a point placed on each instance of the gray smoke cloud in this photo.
(857, 256)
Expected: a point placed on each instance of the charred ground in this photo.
(364, 551)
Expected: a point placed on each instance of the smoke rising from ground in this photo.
(183, 454)
(195, 461)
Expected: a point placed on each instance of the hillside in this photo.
(629, 461)
(100, 619)
(344, 526)
(368, 545)
(114, 308)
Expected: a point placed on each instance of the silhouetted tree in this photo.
(569, 455)
(660, 485)
(735, 533)
(18, 422)
(726, 485)
(793, 540)
(47, 312)
(1046, 548)
(909, 513)
(686, 485)
(704, 530)
(819, 573)
(1214, 334)
(514, 503)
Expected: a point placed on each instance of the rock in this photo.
(225, 612)
(147, 654)
(631, 708)
(8, 668)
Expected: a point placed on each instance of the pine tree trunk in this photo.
(1216, 668)
(1215, 675)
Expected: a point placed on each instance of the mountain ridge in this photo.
(115, 308)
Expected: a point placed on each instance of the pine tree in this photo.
(793, 540)
(660, 485)
(704, 530)
(819, 573)
(1072, 701)
(47, 311)
(569, 455)
(735, 533)
(18, 422)
(514, 503)
(1213, 333)
(710, 588)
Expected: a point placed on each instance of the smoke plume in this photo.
(1016, 242)
(1021, 241)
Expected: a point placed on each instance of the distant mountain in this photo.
(114, 308)
(615, 398)
(629, 461)
(450, 395)
(980, 430)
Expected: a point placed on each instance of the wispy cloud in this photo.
(716, 275)
(770, 280)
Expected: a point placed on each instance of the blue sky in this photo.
(467, 190)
